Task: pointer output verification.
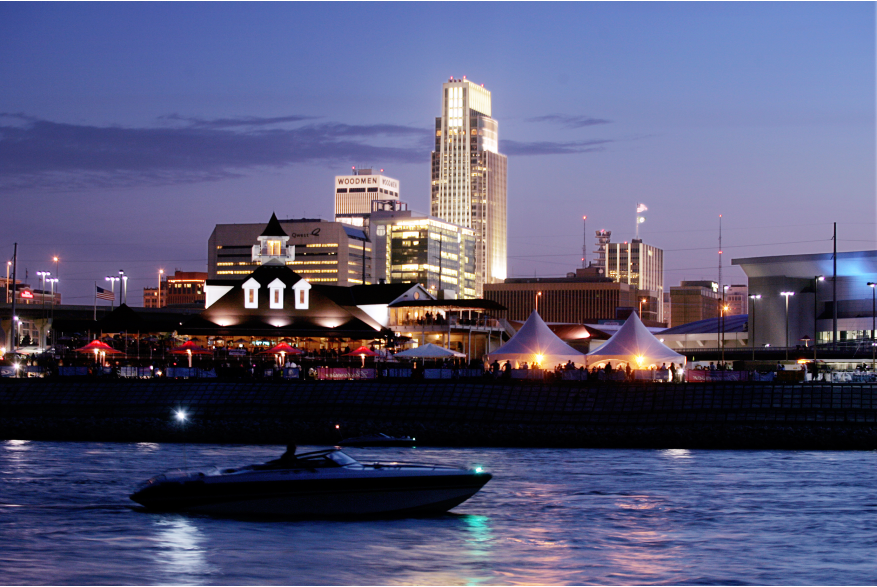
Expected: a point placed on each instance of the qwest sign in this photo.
(366, 181)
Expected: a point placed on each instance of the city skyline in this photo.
(128, 131)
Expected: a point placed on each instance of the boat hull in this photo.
(315, 493)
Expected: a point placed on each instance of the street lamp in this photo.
(123, 289)
(641, 302)
(43, 275)
(160, 273)
(52, 281)
(538, 295)
(816, 281)
(724, 311)
(873, 287)
(8, 265)
(753, 297)
(786, 295)
(112, 281)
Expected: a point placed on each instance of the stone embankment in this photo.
(741, 415)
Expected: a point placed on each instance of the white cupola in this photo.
(272, 247)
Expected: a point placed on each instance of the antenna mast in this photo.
(585, 243)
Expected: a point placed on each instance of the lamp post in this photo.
(112, 281)
(538, 295)
(52, 281)
(786, 295)
(160, 273)
(873, 287)
(724, 311)
(641, 302)
(8, 265)
(43, 275)
(753, 297)
(816, 281)
(123, 287)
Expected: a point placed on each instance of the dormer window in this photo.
(251, 293)
(275, 298)
(301, 291)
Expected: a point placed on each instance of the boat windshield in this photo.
(341, 458)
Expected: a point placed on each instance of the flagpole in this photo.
(95, 301)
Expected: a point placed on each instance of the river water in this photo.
(549, 516)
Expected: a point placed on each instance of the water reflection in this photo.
(181, 556)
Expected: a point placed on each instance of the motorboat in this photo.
(323, 483)
(380, 439)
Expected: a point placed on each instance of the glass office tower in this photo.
(469, 175)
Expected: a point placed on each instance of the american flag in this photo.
(104, 294)
(640, 208)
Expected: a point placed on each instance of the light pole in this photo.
(816, 281)
(873, 287)
(538, 295)
(8, 265)
(123, 287)
(786, 295)
(112, 281)
(641, 302)
(753, 297)
(160, 273)
(43, 275)
(724, 311)
(52, 281)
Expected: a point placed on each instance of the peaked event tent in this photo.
(535, 338)
(634, 340)
(429, 351)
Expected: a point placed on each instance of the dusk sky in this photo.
(129, 130)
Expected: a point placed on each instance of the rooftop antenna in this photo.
(585, 243)
(640, 208)
(721, 301)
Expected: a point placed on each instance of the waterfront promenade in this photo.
(704, 415)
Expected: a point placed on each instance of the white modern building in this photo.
(355, 195)
(469, 175)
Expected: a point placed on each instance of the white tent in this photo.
(634, 344)
(535, 343)
(429, 351)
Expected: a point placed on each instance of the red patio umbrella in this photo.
(190, 348)
(98, 346)
(282, 348)
(362, 352)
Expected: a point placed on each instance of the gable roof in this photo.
(535, 338)
(634, 340)
(273, 228)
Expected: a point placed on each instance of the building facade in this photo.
(641, 266)
(356, 194)
(737, 300)
(181, 288)
(691, 301)
(820, 306)
(412, 248)
(323, 251)
(469, 175)
(570, 300)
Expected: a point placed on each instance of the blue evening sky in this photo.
(129, 130)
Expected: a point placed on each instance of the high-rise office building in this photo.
(640, 265)
(469, 175)
(355, 195)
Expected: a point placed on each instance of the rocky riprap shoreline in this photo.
(717, 416)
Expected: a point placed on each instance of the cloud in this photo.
(568, 121)
(180, 150)
(35, 152)
(552, 148)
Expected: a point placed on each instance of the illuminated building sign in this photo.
(27, 294)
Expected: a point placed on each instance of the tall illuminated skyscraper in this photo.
(469, 175)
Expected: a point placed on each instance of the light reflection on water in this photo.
(547, 517)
